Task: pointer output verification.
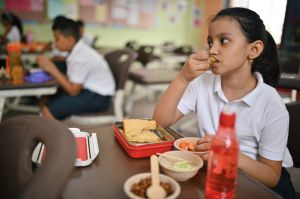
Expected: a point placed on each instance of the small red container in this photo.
(142, 150)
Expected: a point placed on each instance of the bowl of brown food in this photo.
(136, 186)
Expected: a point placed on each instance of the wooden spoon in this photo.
(155, 191)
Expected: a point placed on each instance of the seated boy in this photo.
(88, 84)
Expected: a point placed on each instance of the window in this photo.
(272, 13)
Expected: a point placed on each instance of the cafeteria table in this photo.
(105, 177)
(151, 80)
(290, 81)
(8, 90)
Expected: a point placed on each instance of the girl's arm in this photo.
(263, 170)
(166, 112)
(71, 88)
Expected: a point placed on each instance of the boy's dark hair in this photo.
(57, 21)
(13, 20)
(80, 23)
(267, 63)
(67, 27)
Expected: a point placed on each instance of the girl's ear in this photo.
(255, 49)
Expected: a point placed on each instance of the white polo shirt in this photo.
(262, 120)
(14, 35)
(87, 67)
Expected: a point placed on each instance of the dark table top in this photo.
(6, 85)
(105, 177)
(290, 81)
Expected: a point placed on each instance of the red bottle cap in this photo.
(227, 118)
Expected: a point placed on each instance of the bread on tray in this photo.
(139, 130)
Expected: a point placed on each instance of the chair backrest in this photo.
(18, 137)
(132, 44)
(94, 42)
(294, 131)
(145, 54)
(289, 63)
(184, 50)
(119, 62)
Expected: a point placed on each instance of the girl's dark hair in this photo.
(67, 27)
(267, 63)
(13, 20)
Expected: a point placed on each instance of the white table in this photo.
(290, 81)
(172, 60)
(27, 89)
(151, 79)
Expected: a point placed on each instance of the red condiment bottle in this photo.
(222, 169)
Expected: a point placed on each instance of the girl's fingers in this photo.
(205, 157)
(199, 61)
(195, 65)
(200, 56)
(203, 147)
(204, 144)
(205, 139)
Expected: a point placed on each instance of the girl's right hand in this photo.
(195, 65)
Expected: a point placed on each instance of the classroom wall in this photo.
(182, 31)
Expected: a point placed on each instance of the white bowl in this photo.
(163, 178)
(180, 174)
(189, 139)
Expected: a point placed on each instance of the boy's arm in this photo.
(71, 88)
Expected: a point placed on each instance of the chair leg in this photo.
(2, 102)
(294, 95)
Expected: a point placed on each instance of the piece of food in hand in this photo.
(211, 60)
(188, 146)
(139, 130)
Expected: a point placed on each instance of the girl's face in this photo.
(228, 45)
(63, 43)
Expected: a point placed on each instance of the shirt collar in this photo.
(249, 99)
(76, 48)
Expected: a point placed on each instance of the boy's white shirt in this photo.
(87, 67)
(262, 120)
(88, 38)
(14, 35)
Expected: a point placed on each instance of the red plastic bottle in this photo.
(222, 169)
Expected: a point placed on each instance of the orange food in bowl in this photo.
(188, 146)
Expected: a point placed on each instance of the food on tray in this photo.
(187, 145)
(141, 187)
(139, 130)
